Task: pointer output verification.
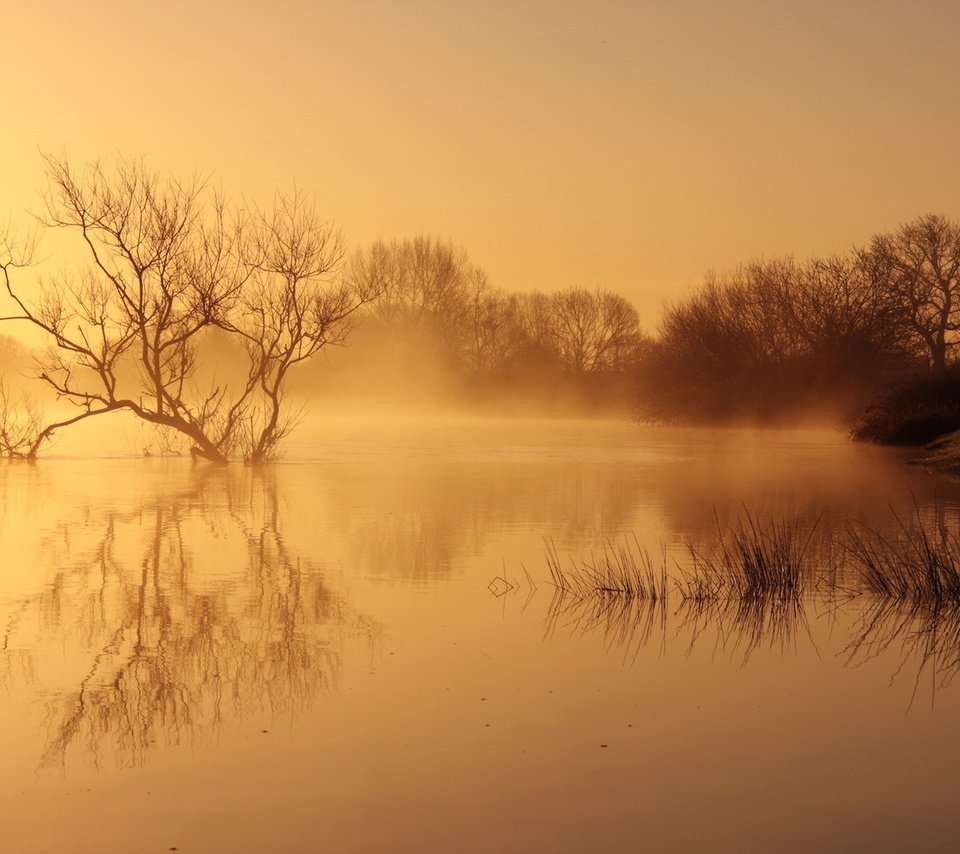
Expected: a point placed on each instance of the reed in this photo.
(752, 589)
(769, 561)
(753, 561)
(920, 567)
(623, 570)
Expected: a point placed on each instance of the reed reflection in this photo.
(926, 640)
(730, 627)
(178, 616)
(897, 600)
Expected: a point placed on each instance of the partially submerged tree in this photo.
(21, 422)
(173, 263)
(20, 416)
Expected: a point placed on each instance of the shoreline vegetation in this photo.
(941, 456)
(207, 321)
(757, 583)
(772, 560)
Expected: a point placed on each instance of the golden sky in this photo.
(628, 145)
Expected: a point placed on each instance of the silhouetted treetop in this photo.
(171, 263)
(919, 264)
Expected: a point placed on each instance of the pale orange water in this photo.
(312, 658)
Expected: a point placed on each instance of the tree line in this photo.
(435, 305)
(777, 338)
(771, 341)
(193, 311)
(177, 272)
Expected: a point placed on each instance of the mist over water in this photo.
(338, 637)
(479, 427)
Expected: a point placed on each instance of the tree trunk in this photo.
(938, 353)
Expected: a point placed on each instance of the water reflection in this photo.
(416, 518)
(417, 521)
(164, 602)
(818, 483)
(627, 625)
(916, 641)
(925, 639)
(173, 617)
(730, 627)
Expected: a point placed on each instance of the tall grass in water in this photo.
(922, 567)
(623, 570)
(752, 589)
(751, 562)
(751, 585)
(617, 592)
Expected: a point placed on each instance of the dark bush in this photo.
(914, 411)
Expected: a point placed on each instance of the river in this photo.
(359, 649)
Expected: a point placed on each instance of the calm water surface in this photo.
(358, 650)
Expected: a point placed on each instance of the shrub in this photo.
(914, 411)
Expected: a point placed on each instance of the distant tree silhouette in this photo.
(422, 286)
(489, 340)
(533, 332)
(594, 331)
(172, 263)
(773, 338)
(920, 265)
(431, 294)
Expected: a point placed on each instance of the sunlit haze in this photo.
(625, 145)
(479, 426)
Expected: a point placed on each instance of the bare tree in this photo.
(21, 421)
(920, 265)
(594, 331)
(491, 319)
(777, 335)
(423, 287)
(534, 328)
(172, 264)
(288, 311)
(416, 279)
(844, 318)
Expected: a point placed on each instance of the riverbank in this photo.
(941, 455)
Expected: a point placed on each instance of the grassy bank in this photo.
(942, 455)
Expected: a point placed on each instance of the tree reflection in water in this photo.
(187, 612)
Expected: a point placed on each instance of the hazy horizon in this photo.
(480, 425)
(629, 146)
